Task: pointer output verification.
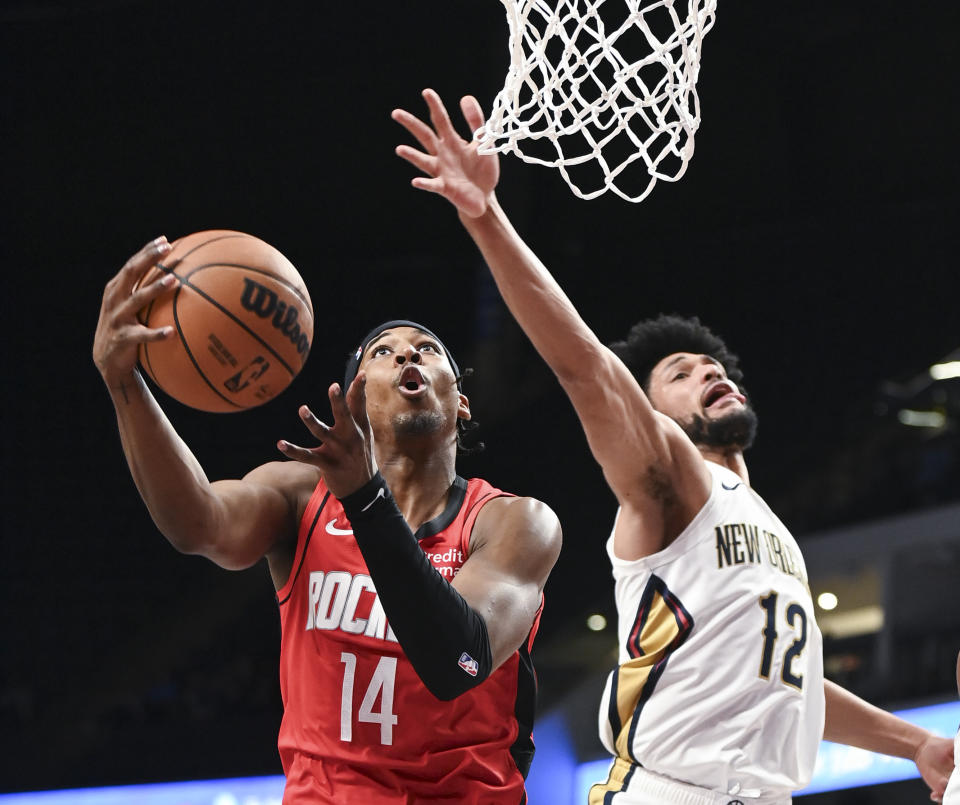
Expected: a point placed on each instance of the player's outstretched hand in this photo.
(457, 171)
(934, 760)
(345, 453)
(119, 333)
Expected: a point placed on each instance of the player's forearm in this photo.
(169, 478)
(537, 302)
(852, 721)
(445, 639)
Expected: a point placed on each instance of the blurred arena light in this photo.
(945, 370)
(910, 389)
(921, 419)
(596, 623)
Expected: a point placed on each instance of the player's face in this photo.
(410, 383)
(684, 384)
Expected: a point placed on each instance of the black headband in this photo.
(353, 364)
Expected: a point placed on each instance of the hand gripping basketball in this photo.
(345, 453)
(119, 333)
(242, 317)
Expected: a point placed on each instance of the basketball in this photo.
(242, 319)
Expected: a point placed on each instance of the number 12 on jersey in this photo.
(794, 612)
(382, 682)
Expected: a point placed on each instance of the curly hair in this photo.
(651, 340)
(467, 442)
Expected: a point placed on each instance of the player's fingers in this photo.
(425, 162)
(306, 455)
(438, 115)
(320, 430)
(141, 335)
(343, 421)
(431, 185)
(146, 294)
(471, 204)
(140, 263)
(357, 401)
(421, 132)
(115, 341)
(472, 112)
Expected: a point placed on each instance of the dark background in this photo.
(814, 230)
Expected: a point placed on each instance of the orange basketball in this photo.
(242, 318)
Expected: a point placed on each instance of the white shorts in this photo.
(628, 784)
(952, 795)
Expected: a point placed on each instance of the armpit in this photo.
(658, 486)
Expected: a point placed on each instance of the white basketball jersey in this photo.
(720, 681)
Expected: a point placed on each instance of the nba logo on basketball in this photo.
(468, 664)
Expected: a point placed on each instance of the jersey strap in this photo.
(308, 522)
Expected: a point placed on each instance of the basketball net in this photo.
(577, 98)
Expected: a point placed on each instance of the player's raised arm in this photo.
(233, 523)
(626, 435)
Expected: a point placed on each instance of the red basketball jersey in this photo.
(358, 724)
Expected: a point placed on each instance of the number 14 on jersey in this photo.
(383, 683)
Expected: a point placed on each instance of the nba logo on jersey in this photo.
(468, 664)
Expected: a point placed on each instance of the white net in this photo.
(604, 90)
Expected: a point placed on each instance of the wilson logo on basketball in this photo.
(261, 300)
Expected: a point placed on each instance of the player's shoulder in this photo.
(524, 517)
(496, 500)
(682, 447)
(520, 534)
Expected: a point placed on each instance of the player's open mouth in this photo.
(721, 393)
(411, 381)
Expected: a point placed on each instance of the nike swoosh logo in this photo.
(376, 497)
(729, 488)
(337, 532)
